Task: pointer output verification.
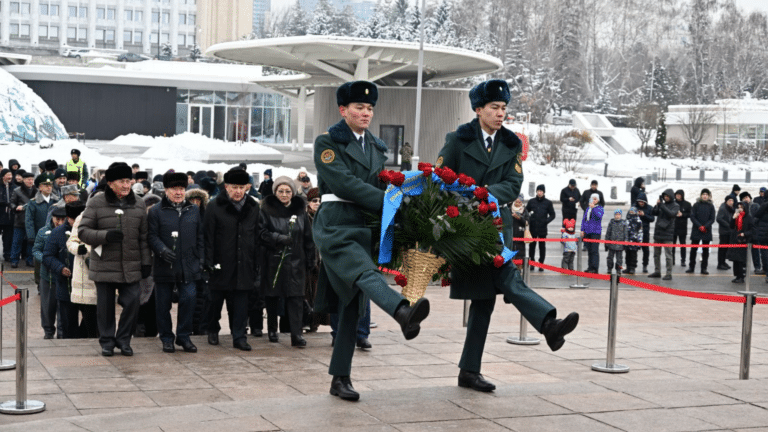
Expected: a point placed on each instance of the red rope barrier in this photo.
(10, 299)
(597, 276)
(586, 240)
(683, 293)
(9, 282)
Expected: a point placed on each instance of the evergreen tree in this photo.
(440, 27)
(399, 21)
(661, 136)
(414, 21)
(166, 50)
(322, 22)
(296, 21)
(567, 53)
(345, 22)
(195, 52)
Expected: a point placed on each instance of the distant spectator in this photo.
(586, 197)
(6, 211)
(77, 165)
(37, 212)
(742, 228)
(735, 191)
(19, 201)
(665, 210)
(406, 153)
(617, 231)
(591, 228)
(681, 225)
(752, 208)
(135, 168)
(702, 218)
(50, 166)
(724, 216)
(638, 187)
(190, 177)
(760, 199)
(569, 247)
(520, 219)
(569, 197)
(59, 180)
(634, 235)
(646, 215)
(140, 176)
(541, 214)
(303, 184)
(265, 188)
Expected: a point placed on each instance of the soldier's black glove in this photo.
(284, 240)
(168, 256)
(146, 271)
(114, 236)
(82, 250)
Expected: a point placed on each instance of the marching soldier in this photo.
(348, 160)
(492, 155)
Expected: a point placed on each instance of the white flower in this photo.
(48, 232)
(217, 266)
(175, 234)
(119, 212)
(293, 219)
(68, 233)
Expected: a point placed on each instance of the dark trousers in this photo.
(756, 261)
(256, 305)
(187, 299)
(7, 236)
(721, 252)
(237, 308)
(20, 247)
(646, 249)
(679, 237)
(593, 252)
(146, 319)
(739, 269)
(363, 325)
(292, 312)
(619, 255)
(202, 307)
(631, 259)
(71, 325)
(48, 306)
(542, 250)
(532, 306)
(128, 298)
(405, 166)
(567, 262)
(373, 285)
(704, 255)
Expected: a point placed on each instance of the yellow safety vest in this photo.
(77, 166)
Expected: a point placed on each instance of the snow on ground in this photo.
(191, 147)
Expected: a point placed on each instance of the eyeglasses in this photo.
(315, 200)
(284, 192)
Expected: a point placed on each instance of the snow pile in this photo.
(24, 115)
(192, 147)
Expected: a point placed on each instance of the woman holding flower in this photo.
(286, 234)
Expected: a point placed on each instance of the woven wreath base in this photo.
(418, 267)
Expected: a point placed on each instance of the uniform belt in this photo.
(332, 198)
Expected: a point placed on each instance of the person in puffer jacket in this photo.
(635, 235)
(666, 210)
(591, 228)
(617, 231)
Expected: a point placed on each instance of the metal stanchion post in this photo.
(746, 334)
(748, 270)
(4, 364)
(21, 405)
(609, 366)
(578, 283)
(523, 338)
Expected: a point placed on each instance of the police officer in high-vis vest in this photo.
(492, 155)
(76, 164)
(348, 160)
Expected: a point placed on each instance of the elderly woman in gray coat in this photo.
(114, 223)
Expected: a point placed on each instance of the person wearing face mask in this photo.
(231, 227)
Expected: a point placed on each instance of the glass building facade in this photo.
(234, 116)
(752, 134)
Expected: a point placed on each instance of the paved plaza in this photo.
(683, 354)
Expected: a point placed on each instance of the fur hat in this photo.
(357, 91)
(209, 185)
(744, 195)
(313, 193)
(236, 176)
(118, 171)
(141, 175)
(284, 180)
(175, 180)
(51, 165)
(73, 175)
(705, 191)
(489, 91)
(25, 174)
(59, 212)
(74, 209)
(70, 190)
(158, 177)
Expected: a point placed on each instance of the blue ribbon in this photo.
(414, 184)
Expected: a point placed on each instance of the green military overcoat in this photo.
(344, 241)
(501, 172)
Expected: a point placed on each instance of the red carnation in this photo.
(425, 166)
(452, 211)
(385, 176)
(497, 221)
(397, 178)
(401, 280)
(448, 176)
(481, 193)
(498, 261)
(483, 208)
(466, 180)
(445, 282)
(427, 172)
(439, 171)
(493, 206)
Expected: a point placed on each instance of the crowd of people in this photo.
(739, 219)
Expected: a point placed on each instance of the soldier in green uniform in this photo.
(348, 160)
(492, 155)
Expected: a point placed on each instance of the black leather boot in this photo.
(409, 317)
(341, 386)
(555, 329)
(475, 381)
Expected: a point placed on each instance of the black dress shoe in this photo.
(363, 343)
(273, 337)
(107, 352)
(298, 341)
(187, 346)
(341, 386)
(14, 265)
(555, 329)
(475, 381)
(690, 270)
(409, 317)
(723, 267)
(257, 332)
(168, 347)
(213, 338)
(48, 336)
(242, 346)
(704, 272)
(126, 350)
